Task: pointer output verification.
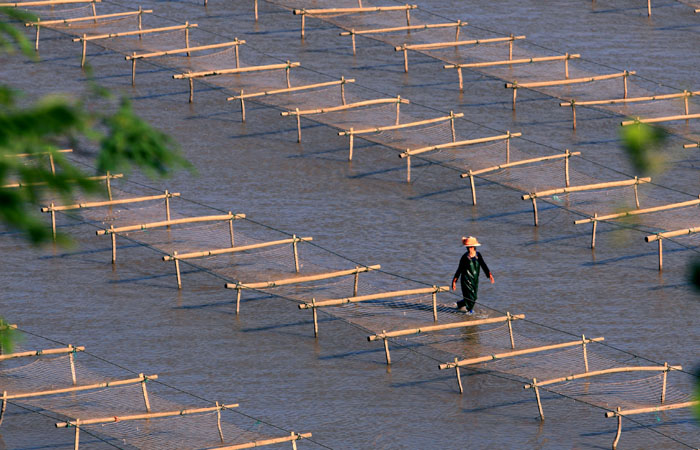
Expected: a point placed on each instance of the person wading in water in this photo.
(468, 275)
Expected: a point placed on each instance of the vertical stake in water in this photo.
(461, 79)
(515, 93)
(408, 16)
(636, 192)
(218, 422)
(230, 228)
(595, 227)
(508, 147)
(36, 44)
(534, 209)
(566, 166)
(452, 126)
(108, 182)
(573, 111)
(566, 67)
(94, 12)
(235, 49)
(459, 377)
(352, 37)
(296, 253)
(298, 125)
(145, 392)
(398, 108)
(191, 90)
(4, 406)
(619, 429)
(294, 440)
(140, 18)
(663, 387)
(624, 83)
(435, 304)
(82, 61)
(357, 281)
(352, 142)
(510, 329)
(76, 442)
(167, 206)
(585, 352)
(459, 25)
(510, 47)
(408, 168)
(405, 59)
(342, 89)
(238, 300)
(386, 349)
(256, 10)
(242, 107)
(537, 396)
(661, 255)
(53, 221)
(286, 72)
(303, 16)
(177, 270)
(471, 183)
(72, 367)
(114, 243)
(187, 37)
(315, 315)
(133, 69)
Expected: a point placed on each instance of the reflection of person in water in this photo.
(468, 274)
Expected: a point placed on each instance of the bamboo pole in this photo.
(296, 253)
(4, 406)
(110, 202)
(382, 295)
(348, 106)
(447, 326)
(585, 352)
(669, 234)
(508, 62)
(293, 438)
(631, 412)
(587, 187)
(500, 137)
(157, 415)
(537, 396)
(235, 70)
(46, 3)
(696, 144)
(43, 183)
(293, 89)
(50, 351)
(235, 249)
(635, 212)
(596, 373)
(406, 28)
(236, 42)
(663, 388)
(145, 393)
(625, 123)
(466, 362)
(386, 349)
(303, 12)
(84, 387)
(44, 23)
(76, 443)
(685, 94)
(71, 359)
(145, 226)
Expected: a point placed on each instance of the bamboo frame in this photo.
(140, 379)
(697, 144)
(167, 223)
(472, 173)
(304, 12)
(140, 32)
(620, 413)
(586, 187)
(46, 3)
(596, 218)
(668, 234)
(408, 153)
(297, 112)
(50, 155)
(221, 251)
(409, 28)
(291, 438)
(53, 208)
(625, 123)
(209, 73)
(573, 103)
(313, 305)
(352, 132)
(243, 96)
(298, 280)
(465, 362)
(624, 75)
(439, 45)
(133, 57)
(183, 412)
(95, 178)
(51, 351)
(566, 57)
(385, 336)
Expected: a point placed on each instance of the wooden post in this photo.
(352, 141)
(191, 80)
(238, 300)
(53, 221)
(405, 59)
(595, 227)
(242, 107)
(94, 11)
(459, 377)
(72, 367)
(238, 61)
(515, 93)
(452, 126)
(218, 422)
(408, 169)
(298, 125)
(256, 10)
(435, 305)
(342, 90)
(296, 253)
(352, 37)
(471, 183)
(140, 18)
(4, 406)
(624, 83)
(357, 281)
(661, 255)
(303, 16)
(177, 270)
(408, 17)
(648, 8)
(508, 147)
(36, 44)
(230, 229)
(573, 111)
(510, 47)
(663, 387)
(510, 330)
(534, 209)
(315, 314)
(636, 193)
(398, 107)
(82, 61)
(108, 182)
(685, 101)
(167, 205)
(566, 67)
(145, 393)
(114, 244)
(187, 37)
(133, 70)
(585, 352)
(286, 72)
(619, 430)
(537, 396)
(566, 167)
(76, 442)
(459, 25)
(386, 350)
(461, 80)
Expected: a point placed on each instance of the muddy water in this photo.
(337, 386)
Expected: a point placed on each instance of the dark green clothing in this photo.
(468, 274)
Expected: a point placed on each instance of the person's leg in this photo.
(470, 302)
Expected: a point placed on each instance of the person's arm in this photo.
(485, 268)
(456, 277)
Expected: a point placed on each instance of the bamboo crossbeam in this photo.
(50, 351)
(438, 45)
(519, 163)
(417, 151)
(630, 412)
(233, 43)
(46, 3)
(183, 412)
(236, 70)
(297, 12)
(447, 326)
(344, 107)
(134, 32)
(398, 127)
(86, 387)
(297, 280)
(668, 234)
(466, 362)
(291, 89)
(364, 298)
(43, 183)
(534, 84)
(43, 23)
(507, 62)
(587, 187)
(167, 223)
(596, 373)
(108, 202)
(660, 119)
(697, 144)
(293, 437)
(631, 99)
(27, 155)
(635, 212)
(406, 28)
(222, 251)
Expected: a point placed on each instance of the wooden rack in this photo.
(140, 32)
(515, 85)
(49, 154)
(465, 362)
(668, 234)
(45, 3)
(107, 179)
(52, 208)
(411, 152)
(384, 335)
(112, 231)
(291, 438)
(596, 218)
(243, 96)
(352, 132)
(298, 280)
(209, 73)
(586, 187)
(472, 173)
(133, 57)
(297, 112)
(363, 298)
(573, 103)
(538, 384)
(318, 12)
(625, 123)
(439, 45)
(458, 25)
(177, 257)
(508, 62)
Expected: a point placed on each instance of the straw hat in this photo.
(470, 241)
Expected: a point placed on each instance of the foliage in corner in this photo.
(643, 146)
(8, 337)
